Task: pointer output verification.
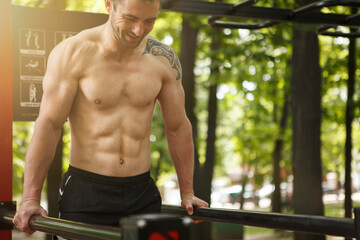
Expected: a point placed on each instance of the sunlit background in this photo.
(254, 74)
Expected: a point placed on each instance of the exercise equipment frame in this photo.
(305, 15)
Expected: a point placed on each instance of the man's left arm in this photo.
(179, 137)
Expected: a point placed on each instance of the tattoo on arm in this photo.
(156, 48)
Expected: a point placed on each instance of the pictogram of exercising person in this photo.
(32, 92)
(27, 38)
(33, 65)
(107, 80)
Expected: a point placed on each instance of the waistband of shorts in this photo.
(95, 177)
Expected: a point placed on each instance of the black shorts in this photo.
(97, 199)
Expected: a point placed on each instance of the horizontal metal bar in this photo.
(202, 8)
(9, 206)
(234, 9)
(293, 222)
(353, 18)
(323, 31)
(328, 3)
(65, 228)
(169, 4)
(237, 25)
(243, 5)
(262, 13)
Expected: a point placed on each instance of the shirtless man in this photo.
(106, 81)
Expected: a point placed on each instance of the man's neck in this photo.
(114, 47)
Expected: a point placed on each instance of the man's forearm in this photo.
(181, 149)
(39, 156)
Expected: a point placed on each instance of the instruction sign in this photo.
(36, 31)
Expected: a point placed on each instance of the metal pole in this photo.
(6, 107)
(293, 222)
(65, 228)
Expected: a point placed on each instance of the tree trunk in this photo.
(348, 122)
(158, 166)
(276, 203)
(212, 115)
(306, 123)
(244, 182)
(276, 196)
(187, 58)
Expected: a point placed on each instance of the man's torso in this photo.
(111, 115)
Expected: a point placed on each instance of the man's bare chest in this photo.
(112, 85)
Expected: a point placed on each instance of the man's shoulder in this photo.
(155, 47)
(165, 53)
(91, 34)
(78, 44)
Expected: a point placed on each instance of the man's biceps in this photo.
(51, 111)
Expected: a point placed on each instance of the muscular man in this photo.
(106, 81)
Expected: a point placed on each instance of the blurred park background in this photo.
(275, 115)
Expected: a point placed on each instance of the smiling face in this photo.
(132, 20)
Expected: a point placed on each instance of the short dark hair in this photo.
(120, 1)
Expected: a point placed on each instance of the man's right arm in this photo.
(59, 90)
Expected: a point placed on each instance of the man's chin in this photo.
(130, 44)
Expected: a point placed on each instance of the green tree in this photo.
(22, 132)
(306, 121)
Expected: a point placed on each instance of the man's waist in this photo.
(96, 177)
(109, 163)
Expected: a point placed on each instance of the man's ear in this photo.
(108, 5)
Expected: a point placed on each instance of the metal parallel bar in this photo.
(262, 13)
(9, 206)
(293, 222)
(67, 229)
